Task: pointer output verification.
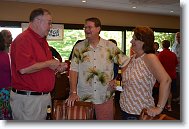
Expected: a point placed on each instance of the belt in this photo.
(24, 92)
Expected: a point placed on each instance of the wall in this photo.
(16, 11)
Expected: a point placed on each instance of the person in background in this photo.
(139, 77)
(117, 93)
(169, 61)
(55, 54)
(176, 45)
(5, 82)
(8, 39)
(155, 92)
(91, 70)
(156, 47)
(33, 69)
(116, 66)
(176, 50)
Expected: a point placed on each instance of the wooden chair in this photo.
(80, 111)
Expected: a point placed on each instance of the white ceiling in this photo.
(147, 6)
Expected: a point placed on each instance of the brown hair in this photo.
(2, 44)
(166, 43)
(146, 35)
(96, 21)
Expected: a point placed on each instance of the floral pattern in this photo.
(95, 69)
(5, 109)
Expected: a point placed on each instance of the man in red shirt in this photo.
(33, 69)
(169, 62)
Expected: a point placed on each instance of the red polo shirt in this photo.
(169, 61)
(27, 49)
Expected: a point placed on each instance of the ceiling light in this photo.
(84, 1)
(171, 11)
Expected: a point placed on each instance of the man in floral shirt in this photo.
(92, 69)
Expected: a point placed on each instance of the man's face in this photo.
(45, 24)
(90, 29)
(178, 37)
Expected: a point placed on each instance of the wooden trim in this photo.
(80, 26)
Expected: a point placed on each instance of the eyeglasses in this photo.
(88, 27)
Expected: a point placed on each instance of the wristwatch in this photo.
(73, 92)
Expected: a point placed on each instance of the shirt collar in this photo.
(100, 44)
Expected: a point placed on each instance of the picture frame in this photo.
(55, 33)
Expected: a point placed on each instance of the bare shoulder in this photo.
(150, 59)
(150, 56)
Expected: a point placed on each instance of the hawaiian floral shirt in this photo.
(95, 69)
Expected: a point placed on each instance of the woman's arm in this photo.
(161, 76)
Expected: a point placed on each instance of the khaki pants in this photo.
(29, 107)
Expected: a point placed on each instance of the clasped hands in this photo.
(58, 66)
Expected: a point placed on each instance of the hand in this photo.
(112, 84)
(154, 111)
(61, 67)
(71, 99)
(123, 69)
(53, 64)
